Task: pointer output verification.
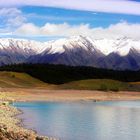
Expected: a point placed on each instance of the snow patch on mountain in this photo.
(76, 50)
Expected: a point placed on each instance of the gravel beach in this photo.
(10, 126)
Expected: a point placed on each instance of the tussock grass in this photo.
(19, 80)
(15, 79)
(98, 84)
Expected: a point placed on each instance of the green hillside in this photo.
(15, 79)
(61, 74)
(68, 77)
(23, 80)
(100, 84)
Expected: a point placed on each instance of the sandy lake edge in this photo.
(10, 125)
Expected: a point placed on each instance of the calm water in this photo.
(83, 120)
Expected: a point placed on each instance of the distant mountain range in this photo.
(119, 54)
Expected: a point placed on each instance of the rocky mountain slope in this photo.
(122, 53)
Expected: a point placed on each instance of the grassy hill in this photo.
(15, 79)
(23, 80)
(101, 84)
(61, 74)
(68, 77)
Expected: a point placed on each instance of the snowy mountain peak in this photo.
(120, 53)
(121, 46)
(23, 44)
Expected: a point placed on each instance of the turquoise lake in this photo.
(83, 120)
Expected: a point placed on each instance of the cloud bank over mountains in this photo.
(15, 22)
(65, 29)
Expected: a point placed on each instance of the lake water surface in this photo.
(83, 120)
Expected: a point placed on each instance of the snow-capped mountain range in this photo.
(122, 53)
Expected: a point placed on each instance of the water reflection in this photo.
(84, 121)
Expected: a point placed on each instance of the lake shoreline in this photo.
(42, 94)
(85, 117)
(12, 127)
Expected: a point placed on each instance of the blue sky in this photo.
(73, 17)
(52, 20)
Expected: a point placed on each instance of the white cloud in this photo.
(112, 6)
(53, 29)
(28, 29)
(11, 17)
(9, 12)
(113, 31)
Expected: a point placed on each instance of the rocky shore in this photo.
(10, 126)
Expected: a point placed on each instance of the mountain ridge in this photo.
(120, 54)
